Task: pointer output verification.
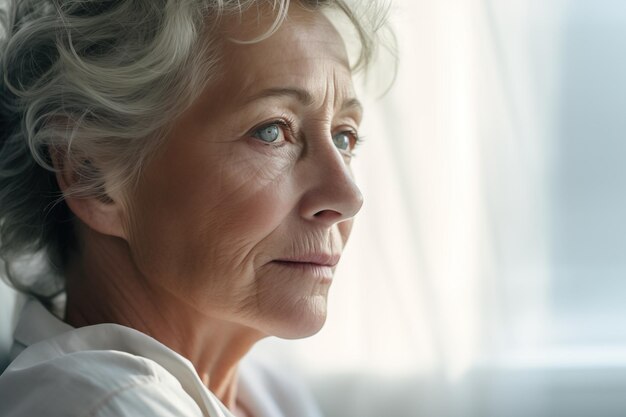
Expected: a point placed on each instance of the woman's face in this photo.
(244, 212)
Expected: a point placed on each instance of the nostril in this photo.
(329, 215)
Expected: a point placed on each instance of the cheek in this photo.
(202, 221)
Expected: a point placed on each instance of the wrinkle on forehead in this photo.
(306, 51)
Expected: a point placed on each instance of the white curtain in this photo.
(485, 273)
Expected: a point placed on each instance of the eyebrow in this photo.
(303, 96)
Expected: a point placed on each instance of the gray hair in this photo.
(98, 80)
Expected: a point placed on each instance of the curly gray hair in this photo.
(98, 80)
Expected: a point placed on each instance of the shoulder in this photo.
(91, 383)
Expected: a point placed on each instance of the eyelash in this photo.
(285, 122)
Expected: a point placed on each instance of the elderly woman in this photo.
(179, 170)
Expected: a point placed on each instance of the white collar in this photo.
(37, 324)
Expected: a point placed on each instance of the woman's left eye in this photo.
(269, 133)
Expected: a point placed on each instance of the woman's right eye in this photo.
(270, 133)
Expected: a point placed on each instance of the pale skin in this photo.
(237, 223)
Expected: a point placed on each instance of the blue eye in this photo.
(268, 133)
(342, 140)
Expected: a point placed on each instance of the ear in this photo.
(100, 213)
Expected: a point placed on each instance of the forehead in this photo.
(305, 52)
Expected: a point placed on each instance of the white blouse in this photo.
(108, 370)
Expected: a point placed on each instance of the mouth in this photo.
(320, 266)
(319, 259)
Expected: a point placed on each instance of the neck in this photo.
(105, 286)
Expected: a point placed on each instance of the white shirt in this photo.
(108, 370)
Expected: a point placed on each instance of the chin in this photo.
(302, 319)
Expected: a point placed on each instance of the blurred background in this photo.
(486, 274)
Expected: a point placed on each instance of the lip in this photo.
(313, 259)
(323, 273)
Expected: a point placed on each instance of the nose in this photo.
(331, 194)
